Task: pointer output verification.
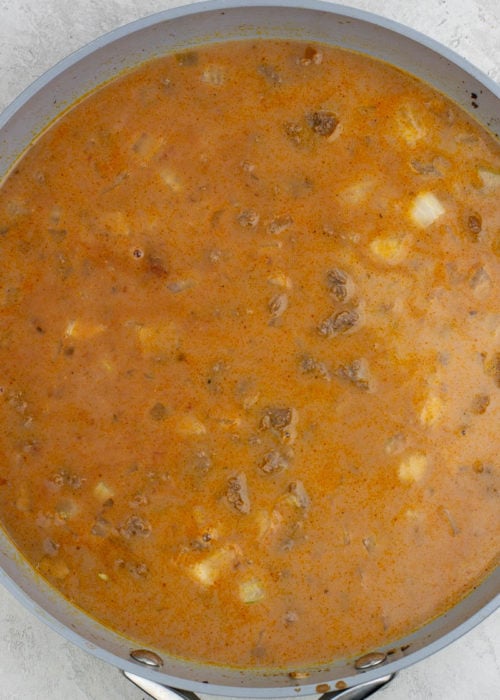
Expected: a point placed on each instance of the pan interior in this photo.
(327, 671)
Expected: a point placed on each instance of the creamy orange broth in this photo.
(250, 354)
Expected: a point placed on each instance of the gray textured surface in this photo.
(37, 664)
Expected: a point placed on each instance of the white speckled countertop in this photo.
(36, 663)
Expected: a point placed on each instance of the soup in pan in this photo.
(250, 354)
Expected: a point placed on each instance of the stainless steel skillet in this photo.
(174, 30)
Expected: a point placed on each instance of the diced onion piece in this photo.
(102, 492)
(181, 285)
(413, 467)
(357, 193)
(490, 178)
(426, 209)
(229, 422)
(146, 146)
(410, 125)
(66, 509)
(250, 401)
(251, 591)
(414, 514)
(267, 523)
(432, 410)
(336, 133)
(208, 570)
(279, 279)
(389, 249)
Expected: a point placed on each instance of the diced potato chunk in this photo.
(83, 330)
(432, 410)
(213, 75)
(426, 209)
(251, 591)
(103, 492)
(158, 341)
(412, 467)
(389, 249)
(208, 570)
(188, 424)
(170, 179)
(489, 178)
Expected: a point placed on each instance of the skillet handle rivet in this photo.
(370, 660)
(146, 657)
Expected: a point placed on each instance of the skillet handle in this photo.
(359, 691)
(162, 692)
(158, 691)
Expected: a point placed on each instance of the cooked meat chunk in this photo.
(66, 478)
(474, 225)
(311, 56)
(139, 500)
(423, 168)
(274, 461)
(277, 418)
(322, 122)
(237, 493)
(101, 527)
(357, 373)
(338, 323)
(280, 224)
(248, 218)
(270, 74)
(187, 58)
(158, 412)
(136, 569)
(294, 132)
(157, 265)
(340, 284)
(135, 526)
(309, 365)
